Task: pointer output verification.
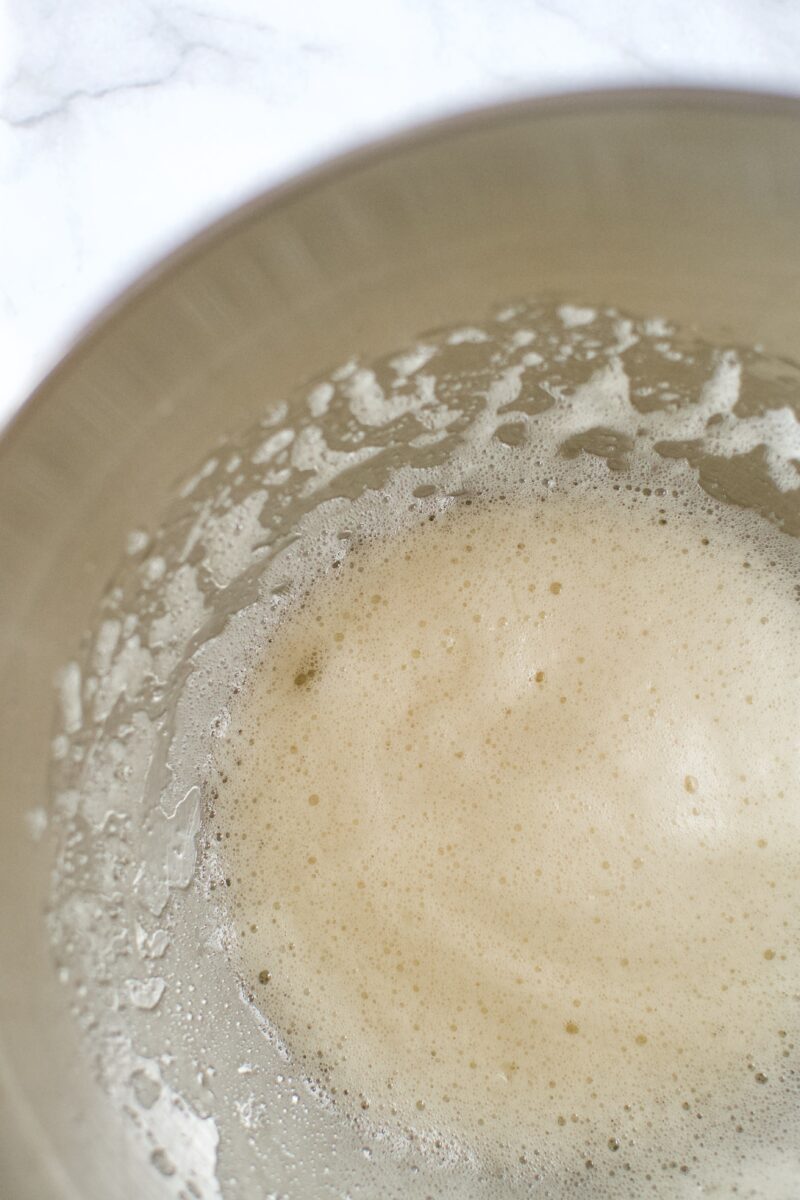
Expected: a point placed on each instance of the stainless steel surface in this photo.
(681, 203)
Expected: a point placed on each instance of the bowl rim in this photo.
(277, 195)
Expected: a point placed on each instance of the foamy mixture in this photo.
(425, 789)
(511, 816)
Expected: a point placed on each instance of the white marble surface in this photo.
(127, 124)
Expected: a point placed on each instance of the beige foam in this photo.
(514, 826)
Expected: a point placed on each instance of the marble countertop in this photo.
(126, 125)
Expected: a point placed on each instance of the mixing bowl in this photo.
(128, 1059)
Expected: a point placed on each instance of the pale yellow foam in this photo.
(515, 826)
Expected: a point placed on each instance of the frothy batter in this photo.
(514, 828)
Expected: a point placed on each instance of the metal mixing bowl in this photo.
(681, 203)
